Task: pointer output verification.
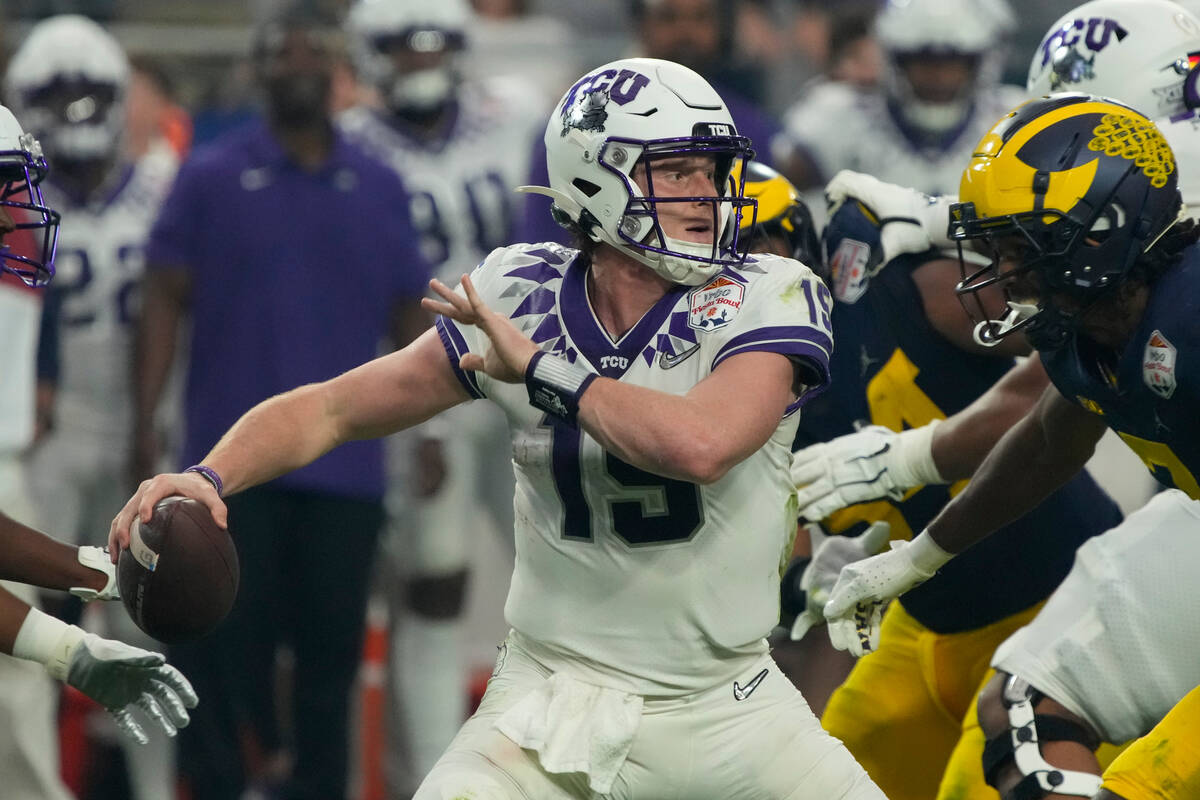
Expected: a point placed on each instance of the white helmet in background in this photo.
(22, 168)
(429, 32)
(1141, 52)
(634, 111)
(68, 80)
(976, 30)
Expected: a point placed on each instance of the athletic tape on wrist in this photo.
(555, 386)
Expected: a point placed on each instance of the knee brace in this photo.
(1020, 745)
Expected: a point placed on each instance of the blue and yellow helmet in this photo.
(1071, 188)
(781, 215)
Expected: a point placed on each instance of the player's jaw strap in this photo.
(1020, 744)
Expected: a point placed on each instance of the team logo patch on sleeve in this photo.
(1158, 365)
(848, 270)
(716, 304)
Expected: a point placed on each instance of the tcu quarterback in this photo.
(651, 512)
(112, 673)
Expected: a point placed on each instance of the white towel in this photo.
(575, 727)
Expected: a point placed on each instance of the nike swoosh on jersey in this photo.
(667, 362)
(742, 692)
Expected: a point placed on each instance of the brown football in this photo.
(179, 576)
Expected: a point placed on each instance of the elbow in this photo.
(702, 461)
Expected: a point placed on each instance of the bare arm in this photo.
(1041, 453)
(295, 428)
(166, 294)
(963, 440)
(28, 556)
(676, 436)
(12, 615)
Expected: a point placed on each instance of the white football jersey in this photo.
(843, 128)
(99, 267)
(652, 581)
(462, 187)
(20, 312)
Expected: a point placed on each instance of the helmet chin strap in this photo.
(989, 332)
(423, 90)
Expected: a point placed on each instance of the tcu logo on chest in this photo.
(614, 362)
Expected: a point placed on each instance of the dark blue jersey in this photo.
(890, 367)
(1149, 393)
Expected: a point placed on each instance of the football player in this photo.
(646, 501)
(940, 95)
(1094, 272)
(461, 146)
(69, 81)
(872, 463)
(112, 673)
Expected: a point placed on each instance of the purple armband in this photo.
(210, 475)
(555, 385)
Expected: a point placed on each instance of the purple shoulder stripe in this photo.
(456, 348)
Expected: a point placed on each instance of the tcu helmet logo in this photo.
(585, 103)
(1094, 34)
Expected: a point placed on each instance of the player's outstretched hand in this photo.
(830, 554)
(864, 588)
(511, 350)
(909, 221)
(141, 505)
(121, 677)
(866, 465)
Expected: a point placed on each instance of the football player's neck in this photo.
(307, 143)
(86, 179)
(622, 289)
(1112, 321)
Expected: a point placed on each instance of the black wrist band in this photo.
(555, 385)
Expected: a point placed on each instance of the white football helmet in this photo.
(68, 81)
(633, 111)
(22, 167)
(1141, 52)
(378, 28)
(974, 29)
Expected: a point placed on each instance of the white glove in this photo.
(830, 554)
(909, 221)
(866, 465)
(855, 607)
(97, 558)
(112, 673)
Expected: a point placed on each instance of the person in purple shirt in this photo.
(688, 32)
(294, 255)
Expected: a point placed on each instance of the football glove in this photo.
(869, 464)
(119, 677)
(830, 554)
(97, 558)
(909, 221)
(864, 588)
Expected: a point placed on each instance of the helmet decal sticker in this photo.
(1138, 140)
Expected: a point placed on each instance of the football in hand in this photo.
(179, 576)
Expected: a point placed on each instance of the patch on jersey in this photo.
(715, 304)
(848, 270)
(1158, 365)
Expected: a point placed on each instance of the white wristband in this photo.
(47, 640)
(912, 462)
(926, 555)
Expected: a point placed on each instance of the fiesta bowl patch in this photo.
(1158, 365)
(716, 304)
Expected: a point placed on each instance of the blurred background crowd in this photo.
(287, 250)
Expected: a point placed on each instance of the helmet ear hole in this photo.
(586, 186)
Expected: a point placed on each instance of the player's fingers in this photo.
(128, 725)
(845, 596)
(804, 621)
(842, 636)
(179, 684)
(806, 469)
(118, 532)
(471, 362)
(874, 537)
(170, 703)
(148, 703)
(825, 503)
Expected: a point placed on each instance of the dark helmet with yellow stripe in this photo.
(1066, 191)
(783, 224)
